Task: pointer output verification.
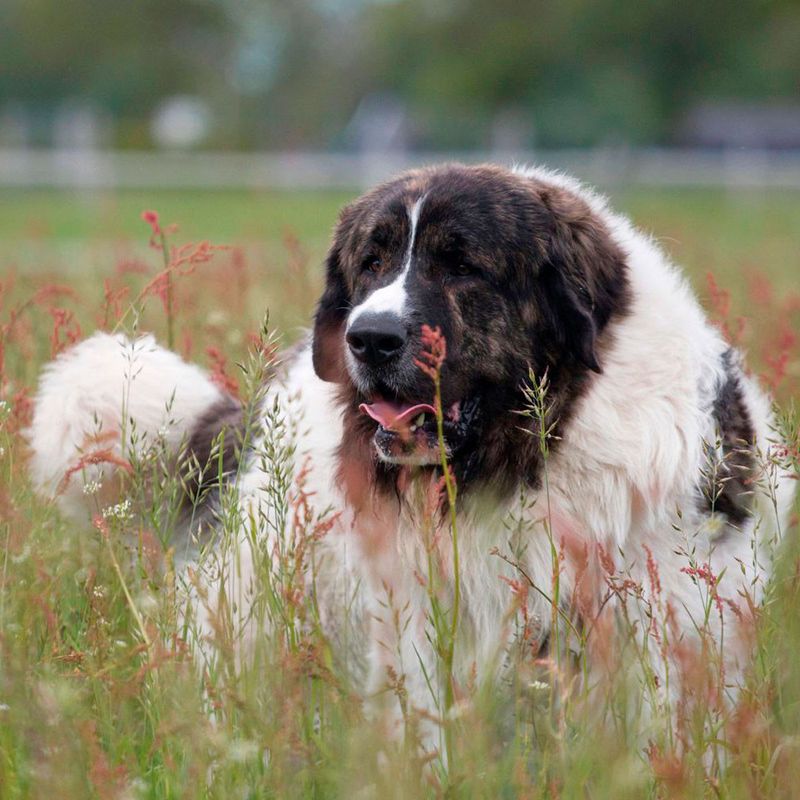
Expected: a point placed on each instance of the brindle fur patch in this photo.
(731, 473)
(214, 449)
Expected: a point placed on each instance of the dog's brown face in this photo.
(518, 275)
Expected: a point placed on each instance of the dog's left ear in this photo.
(329, 320)
(584, 275)
(571, 317)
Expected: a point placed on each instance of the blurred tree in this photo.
(280, 73)
(586, 72)
(122, 56)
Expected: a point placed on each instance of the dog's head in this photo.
(518, 273)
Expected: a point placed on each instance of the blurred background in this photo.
(250, 122)
(394, 78)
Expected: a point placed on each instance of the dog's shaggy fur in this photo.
(655, 433)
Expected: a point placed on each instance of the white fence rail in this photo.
(93, 169)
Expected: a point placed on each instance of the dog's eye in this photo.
(372, 264)
(461, 269)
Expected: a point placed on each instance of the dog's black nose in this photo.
(375, 339)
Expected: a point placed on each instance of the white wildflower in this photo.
(92, 487)
(539, 686)
(120, 512)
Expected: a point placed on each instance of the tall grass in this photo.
(109, 688)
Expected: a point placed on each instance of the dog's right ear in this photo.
(329, 321)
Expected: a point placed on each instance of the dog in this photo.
(583, 395)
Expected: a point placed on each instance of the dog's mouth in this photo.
(408, 433)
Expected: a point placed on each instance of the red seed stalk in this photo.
(431, 361)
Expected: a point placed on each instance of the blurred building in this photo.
(742, 125)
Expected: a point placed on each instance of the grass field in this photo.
(99, 694)
(726, 232)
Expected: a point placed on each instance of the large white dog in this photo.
(643, 440)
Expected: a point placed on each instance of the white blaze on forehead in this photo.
(392, 297)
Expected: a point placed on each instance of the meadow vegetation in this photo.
(102, 694)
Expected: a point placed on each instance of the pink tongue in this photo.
(389, 414)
